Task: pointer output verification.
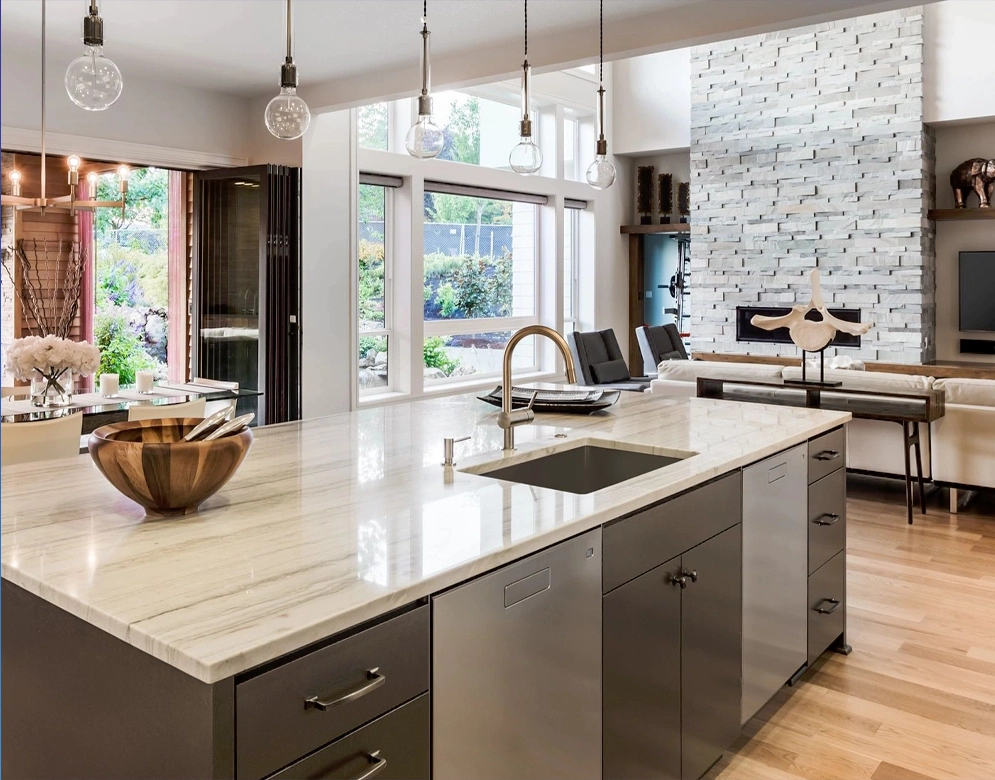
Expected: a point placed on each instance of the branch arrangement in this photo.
(42, 260)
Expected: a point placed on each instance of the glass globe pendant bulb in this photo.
(93, 82)
(424, 140)
(287, 115)
(525, 158)
(601, 173)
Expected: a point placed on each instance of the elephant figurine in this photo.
(976, 175)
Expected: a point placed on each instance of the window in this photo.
(480, 282)
(570, 133)
(571, 268)
(374, 288)
(373, 126)
(478, 131)
(131, 253)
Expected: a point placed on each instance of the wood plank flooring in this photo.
(916, 698)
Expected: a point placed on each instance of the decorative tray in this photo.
(556, 401)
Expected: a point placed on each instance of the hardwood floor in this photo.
(916, 698)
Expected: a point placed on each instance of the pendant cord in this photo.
(43, 166)
(601, 46)
(290, 34)
(424, 12)
(526, 29)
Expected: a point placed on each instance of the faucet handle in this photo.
(532, 400)
(449, 449)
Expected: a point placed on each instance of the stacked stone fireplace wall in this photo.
(808, 150)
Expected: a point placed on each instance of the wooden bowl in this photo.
(147, 461)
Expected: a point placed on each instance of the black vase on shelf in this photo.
(644, 193)
(684, 200)
(665, 196)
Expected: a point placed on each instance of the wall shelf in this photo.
(677, 227)
(957, 215)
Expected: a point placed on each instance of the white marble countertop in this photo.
(334, 521)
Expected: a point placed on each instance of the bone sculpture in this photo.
(811, 336)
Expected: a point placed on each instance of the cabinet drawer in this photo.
(826, 605)
(636, 544)
(393, 747)
(826, 454)
(289, 711)
(826, 518)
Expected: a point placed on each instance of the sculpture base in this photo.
(811, 383)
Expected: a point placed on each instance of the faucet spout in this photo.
(509, 418)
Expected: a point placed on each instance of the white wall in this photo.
(150, 113)
(651, 97)
(954, 144)
(329, 195)
(958, 69)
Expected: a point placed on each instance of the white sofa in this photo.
(964, 438)
(958, 449)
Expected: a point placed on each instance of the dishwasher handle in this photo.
(827, 518)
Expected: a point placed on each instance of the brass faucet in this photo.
(508, 418)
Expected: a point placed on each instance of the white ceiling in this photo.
(236, 46)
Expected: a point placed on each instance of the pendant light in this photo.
(526, 158)
(93, 81)
(287, 115)
(424, 140)
(42, 201)
(601, 173)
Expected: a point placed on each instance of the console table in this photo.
(907, 408)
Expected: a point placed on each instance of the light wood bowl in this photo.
(147, 461)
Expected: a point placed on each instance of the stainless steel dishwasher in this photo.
(775, 575)
(516, 669)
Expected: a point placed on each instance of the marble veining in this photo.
(333, 521)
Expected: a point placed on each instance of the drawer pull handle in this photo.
(827, 610)
(377, 765)
(373, 681)
(828, 455)
(827, 518)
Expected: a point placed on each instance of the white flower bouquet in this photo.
(50, 362)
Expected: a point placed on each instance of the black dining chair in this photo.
(599, 361)
(658, 343)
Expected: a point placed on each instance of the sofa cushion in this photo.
(867, 380)
(967, 392)
(673, 355)
(690, 370)
(610, 371)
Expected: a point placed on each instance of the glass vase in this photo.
(52, 388)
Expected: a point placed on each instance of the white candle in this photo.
(109, 384)
(143, 380)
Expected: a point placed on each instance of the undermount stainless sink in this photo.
(582, 469)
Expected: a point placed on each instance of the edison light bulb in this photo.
(15, 183)
(93, 81)
(93, 180)
(601, 173)
(74, 162)
(123, 172)
(287, 115)
(424, 140)
(525, 158)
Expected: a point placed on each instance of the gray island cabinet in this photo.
(615, 653)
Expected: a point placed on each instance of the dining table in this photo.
(98, 410)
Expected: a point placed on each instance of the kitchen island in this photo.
(149, 647)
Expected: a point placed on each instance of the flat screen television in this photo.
(977, 291)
